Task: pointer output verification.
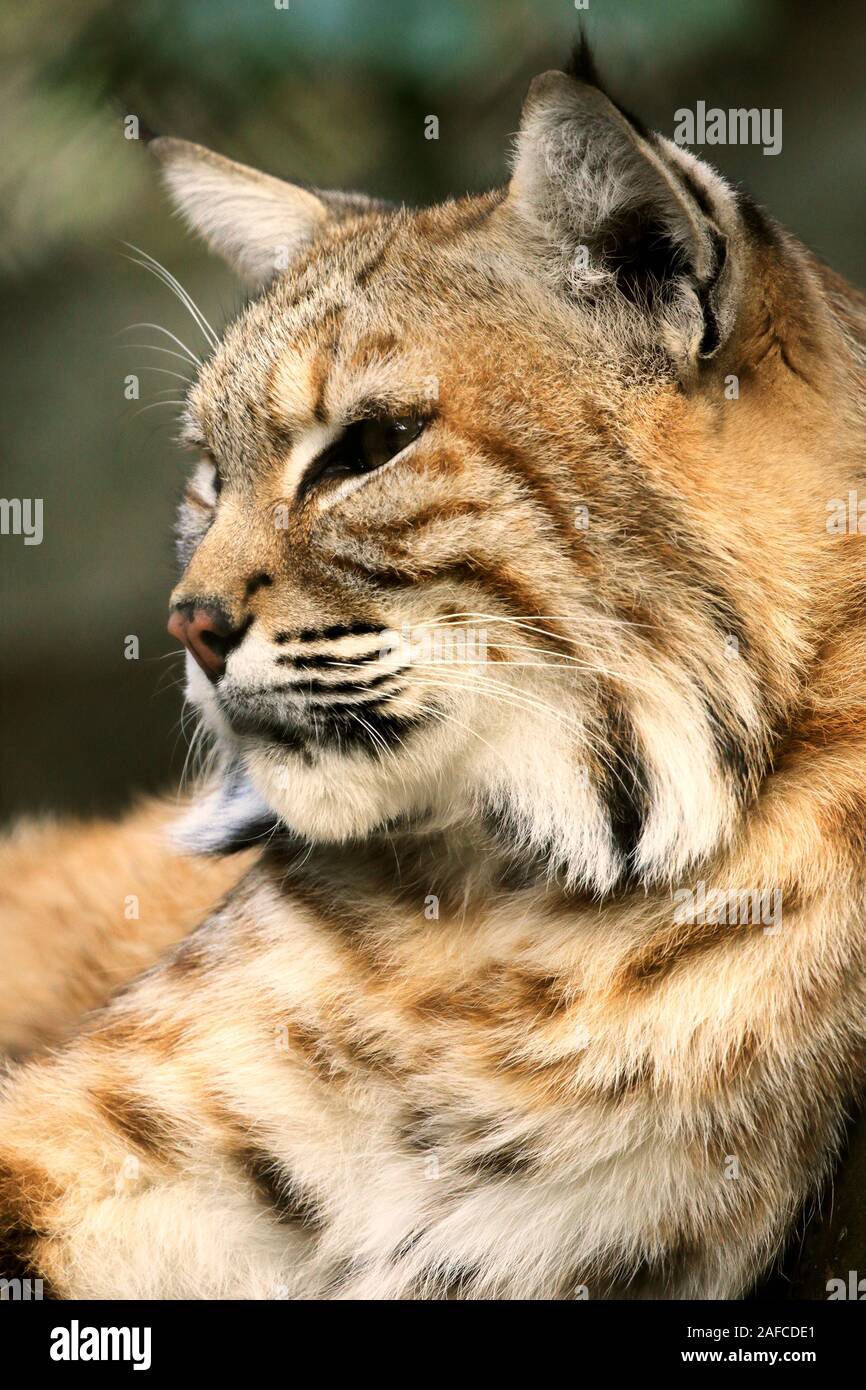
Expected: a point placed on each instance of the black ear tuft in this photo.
(581, 64)
(582, 67)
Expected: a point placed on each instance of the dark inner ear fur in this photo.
(582, 67)
(636, 245)
(712, 338)
(639, 250)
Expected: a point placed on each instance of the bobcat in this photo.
(511, 607)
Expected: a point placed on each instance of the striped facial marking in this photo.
(389, 451)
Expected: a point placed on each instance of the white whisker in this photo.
(166, 371)
(174, 338)
(171, 281)
(152, 347)
(154, 404)
(577, 619)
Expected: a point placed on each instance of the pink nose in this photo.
(206, 633)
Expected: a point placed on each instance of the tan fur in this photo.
(448, 1036)
(84, 907)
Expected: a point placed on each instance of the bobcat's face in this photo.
(387, 519)
(447, 552)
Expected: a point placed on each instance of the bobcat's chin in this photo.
(332, 777)
(341, 795)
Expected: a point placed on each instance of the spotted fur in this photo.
(447, 1036)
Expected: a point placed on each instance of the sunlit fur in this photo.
(448, 1036)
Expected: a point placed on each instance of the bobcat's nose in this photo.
(207, 633)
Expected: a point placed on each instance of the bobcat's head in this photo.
(490, 515)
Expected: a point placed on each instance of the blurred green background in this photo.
(334, 92)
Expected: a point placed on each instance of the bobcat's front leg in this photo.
(84, 908)
(141, 1160)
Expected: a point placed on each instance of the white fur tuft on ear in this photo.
(255, 222)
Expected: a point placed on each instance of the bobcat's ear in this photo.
(257, 223)
(618, 207)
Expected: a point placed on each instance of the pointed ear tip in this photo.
(162, 148)
(167, 148)
(547, 84)
(564, 88)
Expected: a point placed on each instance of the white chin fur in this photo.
(347, 796)
(534, 785)
(199, 692)
(337, 798)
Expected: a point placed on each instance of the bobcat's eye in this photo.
(362, 447)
